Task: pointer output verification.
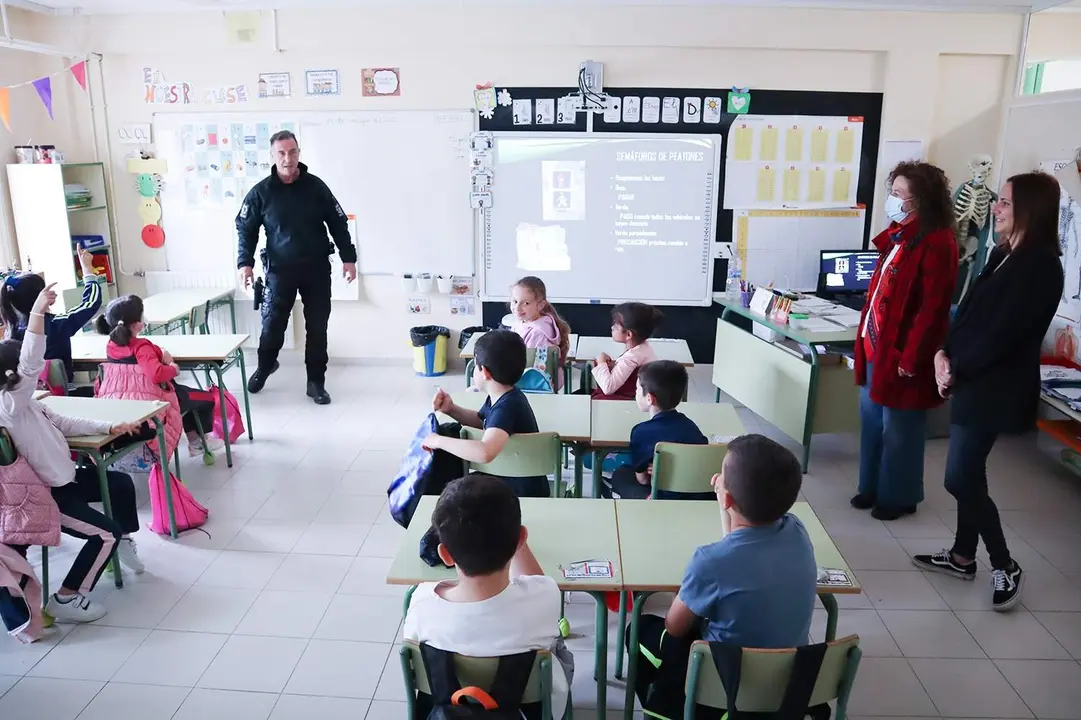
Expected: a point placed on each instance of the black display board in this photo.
(697, 325)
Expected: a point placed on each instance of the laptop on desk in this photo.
(845, 275)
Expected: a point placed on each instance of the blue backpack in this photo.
(536, 379)
(422, 472)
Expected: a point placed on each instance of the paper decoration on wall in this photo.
(463, 305)
(380, 82)
(504, 98)
(711, 110)
(223, 161)
(739, 101)
(5, 107)
(134, 134)
(159, 92)
(322, 82)
(148, 182)
(419, 305)
(484, 100)
(275, 85)
(227, 95)
(44, 86)
(78, 71)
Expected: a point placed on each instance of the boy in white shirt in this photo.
(502, 602)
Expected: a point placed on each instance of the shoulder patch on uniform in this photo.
(244, 211)
(341, 213)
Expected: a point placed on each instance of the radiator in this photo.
(247, 319)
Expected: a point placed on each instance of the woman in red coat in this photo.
(904, 323)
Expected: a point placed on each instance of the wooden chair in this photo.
(524, 455)
(478, 672)
(764, 676)
(686, 468)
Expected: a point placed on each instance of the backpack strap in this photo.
(442, 677)
(727, 658)
(511, 679)
(801, 683)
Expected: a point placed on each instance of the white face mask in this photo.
(894, 209)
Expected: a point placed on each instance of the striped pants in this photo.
(101, 533)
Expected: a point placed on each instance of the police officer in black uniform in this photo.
(295, 208)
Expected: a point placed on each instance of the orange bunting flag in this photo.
(5, 107)
(79, 71)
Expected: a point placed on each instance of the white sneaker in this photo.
(78, 609)
(197, 447)
(129, 555)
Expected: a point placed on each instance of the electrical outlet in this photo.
(592, 75)
(611, 102)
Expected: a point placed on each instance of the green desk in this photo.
(590, 347)
(166, 310)
(654, 557)
(566, 415)
(210, 352)
(114, 412)
(613, 420)
(594, 538)
(800, 394)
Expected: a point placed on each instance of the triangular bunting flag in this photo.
(44, 86)
(5, 107)
(79, 71)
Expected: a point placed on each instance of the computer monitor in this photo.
(846, 271)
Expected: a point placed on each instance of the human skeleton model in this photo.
(972, 208)
(1069, 220)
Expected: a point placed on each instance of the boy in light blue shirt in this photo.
(755, 587)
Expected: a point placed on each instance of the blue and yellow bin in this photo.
(429, 350)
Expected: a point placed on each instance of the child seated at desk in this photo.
(753, 588)
(537, 321)
(122, 321)
(502, 603)
(661, 386)
(39, 435)
(499, 361)
(19, 294)
(633, 324)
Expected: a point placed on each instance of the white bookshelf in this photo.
(44, 225)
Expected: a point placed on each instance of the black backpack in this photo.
(450, 701)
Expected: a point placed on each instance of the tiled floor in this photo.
(280, 611)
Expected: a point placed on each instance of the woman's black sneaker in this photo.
(1006, 588)
(943, 562)
(862, 502)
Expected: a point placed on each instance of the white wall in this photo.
(913, 58)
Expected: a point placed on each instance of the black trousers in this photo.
(662, 670)
(193, 405)
(966, 480)
(623, 484)
(101, 533)
(312, 283)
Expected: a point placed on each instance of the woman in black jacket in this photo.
(991, 369)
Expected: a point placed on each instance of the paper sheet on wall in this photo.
(782, 246)
(792, 162)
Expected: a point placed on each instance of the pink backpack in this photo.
(187, 510)
(232, 415)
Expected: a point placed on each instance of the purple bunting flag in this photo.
(44, 87)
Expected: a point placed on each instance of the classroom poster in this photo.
(792, 162)
(275, 85)
(322, 82)
(223, 161)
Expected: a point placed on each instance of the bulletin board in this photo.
(697, 325)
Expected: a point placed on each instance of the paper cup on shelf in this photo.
(444, 284)
(408, 283)
(425, 284)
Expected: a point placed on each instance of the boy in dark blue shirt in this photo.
(499, 361)
(661, 385)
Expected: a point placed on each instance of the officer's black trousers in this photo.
(313, 284)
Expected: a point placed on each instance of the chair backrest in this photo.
(686, 468)
(198, 318)
(764, 676)
(524, 455)
(476, 672)
(8, 454)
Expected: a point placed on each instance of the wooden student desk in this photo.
(799, 394)
(657, 539)
(113, 412)
(590, 347)
(613, 421)
(210, 352)
(170, 309)
(566, 415)
(595, 537)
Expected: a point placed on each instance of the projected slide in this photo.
(603, 216)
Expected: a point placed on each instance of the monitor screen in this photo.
(847, 270)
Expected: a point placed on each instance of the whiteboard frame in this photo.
(715, 210)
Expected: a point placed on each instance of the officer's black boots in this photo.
(318, 393)
(259, 377)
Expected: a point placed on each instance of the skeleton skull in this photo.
(980, 167)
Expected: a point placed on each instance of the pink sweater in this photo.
(611, 380)
(542, 332)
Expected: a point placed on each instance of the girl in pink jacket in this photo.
(537, 320)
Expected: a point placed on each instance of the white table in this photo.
(215, 352)
(175, 306)
(589, 347)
